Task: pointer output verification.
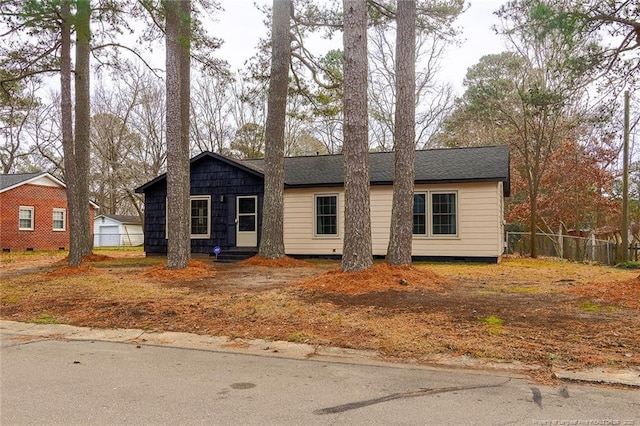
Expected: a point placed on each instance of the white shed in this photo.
(112, 230)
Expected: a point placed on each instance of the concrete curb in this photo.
(629, 376)
(18, 331)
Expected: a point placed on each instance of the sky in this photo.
(241, 25)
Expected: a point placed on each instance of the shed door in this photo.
(247, 221)
(109, 236)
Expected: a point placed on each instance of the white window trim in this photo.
(315, 216)
(192, 236)
(426, 215)
(64, 220)
(429, 217)
(208, 199)
(32, 210)
(444, 236)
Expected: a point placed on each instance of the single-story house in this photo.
(114, 230)
(458, 204)
(33, 212)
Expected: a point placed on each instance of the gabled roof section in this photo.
(124, 219)
(249, 168)
(10, 181)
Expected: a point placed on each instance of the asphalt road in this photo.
(48, 381)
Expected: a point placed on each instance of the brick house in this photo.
(33, 212)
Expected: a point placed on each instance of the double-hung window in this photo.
(26, 218)
(326, 214)
(443, 214)
(420, 214)
(435, 214)
(200, 216)
(59, 219)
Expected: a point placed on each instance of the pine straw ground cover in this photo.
(539, 312)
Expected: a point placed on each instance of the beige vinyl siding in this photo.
(477, 209)
(479, 221)
(299, 222)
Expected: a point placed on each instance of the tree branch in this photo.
(314, 72)
(120, 46)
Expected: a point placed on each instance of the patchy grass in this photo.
(525, 289)
(28, 259)
(590, 307)
(494, 324)
(298, 337)
(44, 319)
(118, 251)
(629, 264)
(493, 321)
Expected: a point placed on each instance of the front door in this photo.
(247, 221)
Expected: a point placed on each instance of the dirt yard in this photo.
(535, 313)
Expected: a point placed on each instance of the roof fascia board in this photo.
(389, 183)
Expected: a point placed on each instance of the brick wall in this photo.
(43, 199)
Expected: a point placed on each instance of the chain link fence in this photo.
(567, 247)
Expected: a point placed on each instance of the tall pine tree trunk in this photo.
(83, 121)
(178, 16)
(70, 176)
(401, 232)
(272, 239)
(357, 250)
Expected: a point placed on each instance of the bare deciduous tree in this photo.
(148, 120)
(249, 111)
(433, 99)
(17, 113)
(115, 146)
(211, 112)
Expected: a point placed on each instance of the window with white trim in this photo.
(420, 213)
(26, 218)
(326, 215)
(59, 219)
(444, 217)
(200, 216)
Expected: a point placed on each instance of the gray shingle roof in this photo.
(13, 179)
(432, 166)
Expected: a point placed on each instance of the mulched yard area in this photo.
(542, 313)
